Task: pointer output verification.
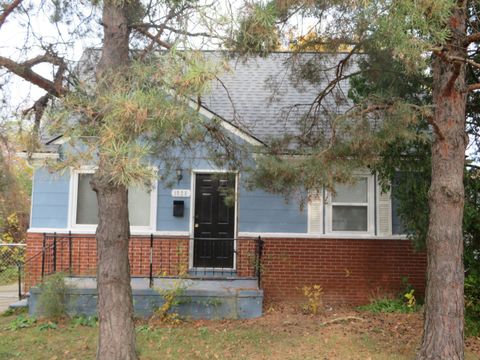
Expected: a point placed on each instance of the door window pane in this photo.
(351, 193)
(349, 218)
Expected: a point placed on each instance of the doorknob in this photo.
(196, 225)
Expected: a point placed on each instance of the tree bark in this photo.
(116, 338)
(443, 336)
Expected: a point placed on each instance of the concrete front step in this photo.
(19, 304)
(166, 282)
(233, 298)
(217, 273)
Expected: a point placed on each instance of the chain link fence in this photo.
(12, 258)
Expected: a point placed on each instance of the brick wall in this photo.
(350, 271)
(169, 256)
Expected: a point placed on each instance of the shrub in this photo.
(82, 320)
(52, 302)
(405, 302)
(313, 294)
(22, 322)
(386, 305)
(171, 298)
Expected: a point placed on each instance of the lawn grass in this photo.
(275, 336)
(9, 276)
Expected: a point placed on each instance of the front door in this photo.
(214, 220)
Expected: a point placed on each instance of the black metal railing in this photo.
(152, 256)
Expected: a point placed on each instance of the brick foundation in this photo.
(349, 271)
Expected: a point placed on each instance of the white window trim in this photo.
(315, 215)
(72, 208)
(370, 209)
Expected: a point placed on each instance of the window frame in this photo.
(370, 204)
(74, 175)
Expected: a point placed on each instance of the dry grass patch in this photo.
(279, 335)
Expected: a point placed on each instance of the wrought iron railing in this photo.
(150, 256)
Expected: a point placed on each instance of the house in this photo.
(351, 245)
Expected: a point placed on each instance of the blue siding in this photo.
(50, 200)
(165, 219)
(260, 211)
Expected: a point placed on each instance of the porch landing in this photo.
(197, 297)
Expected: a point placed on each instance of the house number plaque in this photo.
(180, 193)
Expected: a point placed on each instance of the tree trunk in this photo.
(116, 340)
(444, 303)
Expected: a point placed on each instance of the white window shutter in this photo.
(315, 214)
(384, 212)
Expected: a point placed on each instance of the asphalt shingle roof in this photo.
(263, 96)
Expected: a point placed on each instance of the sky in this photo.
(24, 34)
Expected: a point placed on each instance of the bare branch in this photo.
(48, 57)
(473, 87)
(154, 38)
(178, 31)
(462, 60)
(24, 70)
(475, 37)
(7, 10)
(38, 109)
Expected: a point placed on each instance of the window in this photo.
(141, 202)
(350, 209)
(86, 201)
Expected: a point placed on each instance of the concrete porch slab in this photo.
(230, 298)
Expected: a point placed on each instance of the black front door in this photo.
(214, 221)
